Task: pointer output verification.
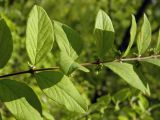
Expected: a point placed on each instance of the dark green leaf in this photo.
(104, 33)
(59, 88)
(39, 35)
(6, 43)
(126, 71)
(20, 100)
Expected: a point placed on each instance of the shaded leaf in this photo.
(126, 71)
(20, 100)
(59, 88)
(132, 36)
(6, 43)
(104, 33)
(122, 95)
(39, 35)
(144, 37)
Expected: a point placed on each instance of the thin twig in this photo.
(31, 71)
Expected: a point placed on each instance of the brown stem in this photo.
(31, 71)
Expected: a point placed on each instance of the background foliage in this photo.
(97, 89)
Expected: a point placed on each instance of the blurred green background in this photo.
(99, 86)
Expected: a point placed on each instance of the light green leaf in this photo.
(132, 36)
(126, 71)
(39, 35)
(70, 45)
(104, 33)
(59, 88)
(158, 43)
(68, 65)
(6, 43)
(68, 40)
(144, 37)
(20, 100)
(153, 61)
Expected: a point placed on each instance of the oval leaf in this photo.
(39, 35)
(126, 71)
(104, 33)
(144, 37)
(132, 36)
(59, 88)
(6, 43)
(20, 100)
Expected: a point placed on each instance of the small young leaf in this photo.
(144, 37)
(104, 33)
(59, 88)
(20, 100)
(6, 43)
(132, 36)
(68, 40)
(158, 43)
(126, 71)
(39, 35)
(68, 65)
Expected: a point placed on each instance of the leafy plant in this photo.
(55, 82)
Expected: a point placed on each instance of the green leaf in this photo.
(104, 33)
(158, 43)
(59, 88)
(6, 43)
(39, 35)
(20, 100)
(132, 36)
(70, 45)
(126, 71)
(122, 95)
(68, 65)
(144, 37)
(153, 61)
(68, 40)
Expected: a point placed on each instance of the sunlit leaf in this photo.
(144, 37)
(59, 88)
(132, 36)
(39, 35)
(126, 71)
(68, 40)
